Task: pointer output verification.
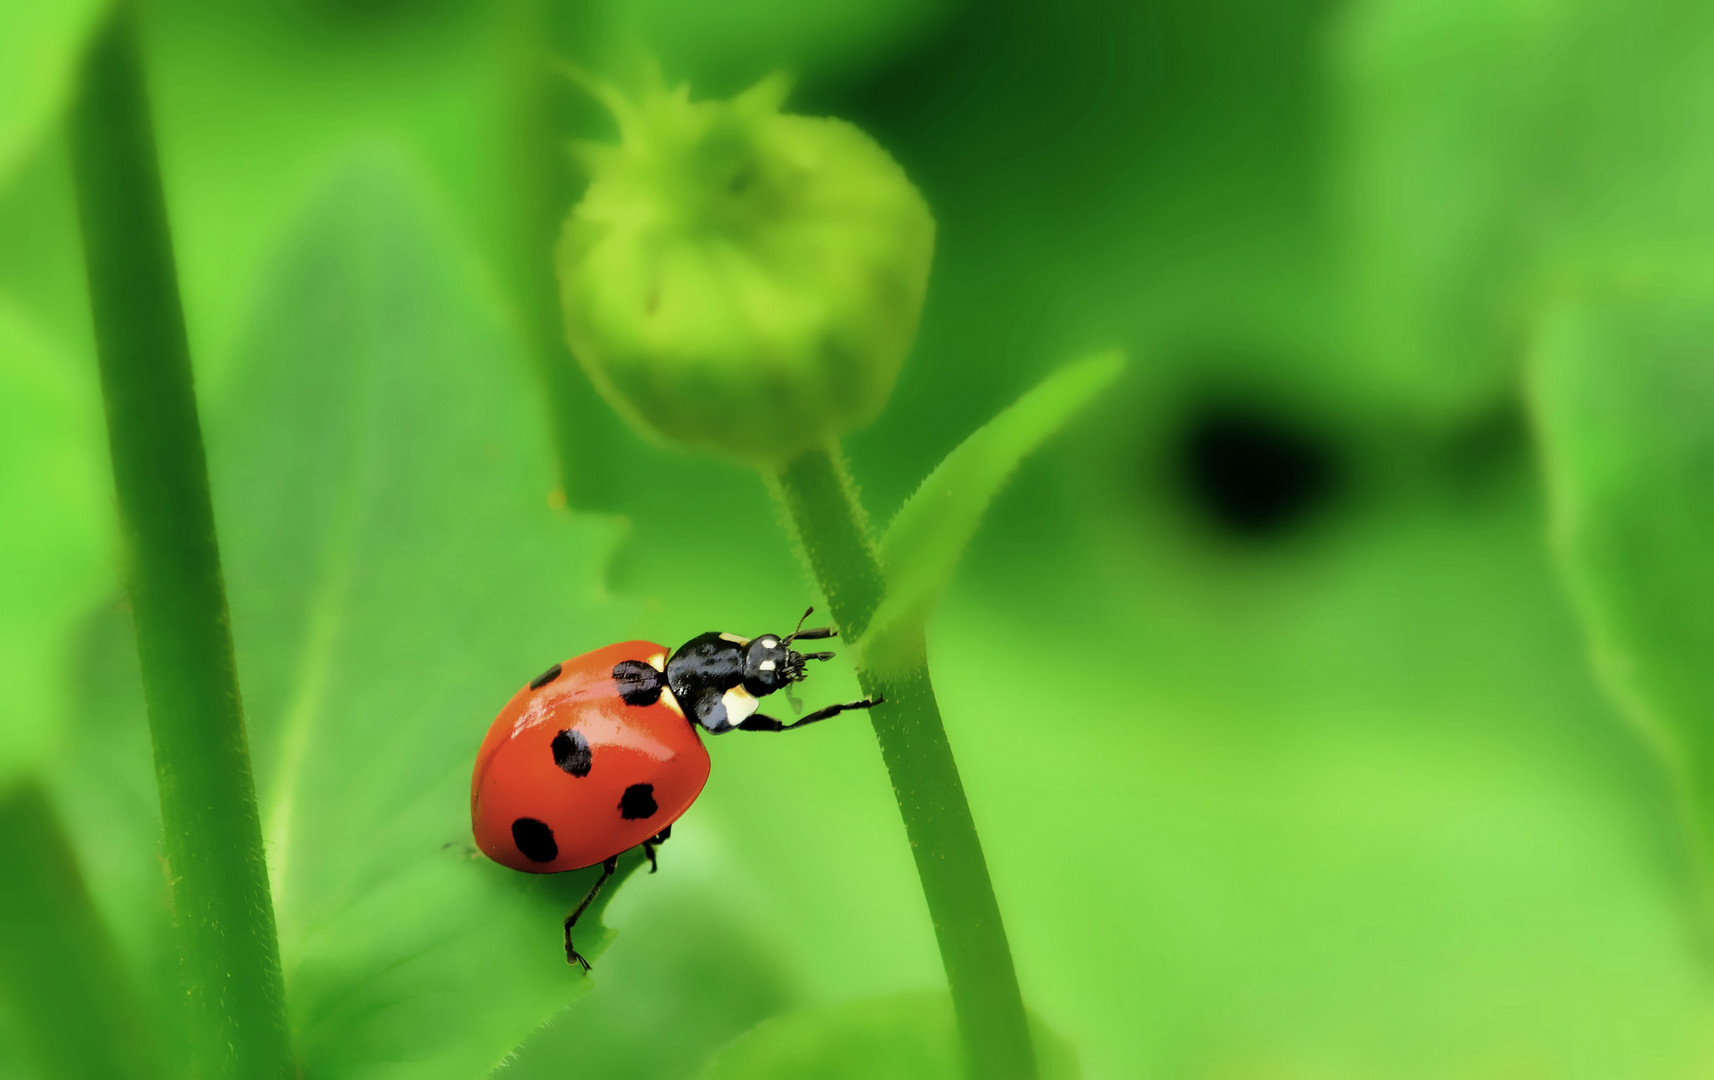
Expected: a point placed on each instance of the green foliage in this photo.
(1560, 129)
(59, 972)
(1623, 393)
(1359, 790)
(382, 487)
(39, 48)
(382, 481)
(710, 985)
(54, 495)
(748, 282)
(923, 544)
(211, 835)
(726, 46)
(907, 1037)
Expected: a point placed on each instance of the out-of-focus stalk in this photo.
(212, 834)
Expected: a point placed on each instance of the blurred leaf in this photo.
(57, 540)
(725, 47)
(104, 787)
(1624, 402)
(59, 972)
(1443, 105)
(905, 1037)
(1488, 147)
(396, 572)
(714, 981)
(39, 45)
(923, 544)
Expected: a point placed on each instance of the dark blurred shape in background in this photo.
(1254, 473)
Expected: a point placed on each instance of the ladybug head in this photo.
(770, 662)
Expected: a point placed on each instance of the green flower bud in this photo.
(741, 279)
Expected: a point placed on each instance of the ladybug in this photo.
(601, 753)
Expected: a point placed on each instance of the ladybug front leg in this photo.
(759, 722)
(572, 956)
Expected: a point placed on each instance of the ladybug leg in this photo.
(572, 956)
(758, 722)
(653, 842)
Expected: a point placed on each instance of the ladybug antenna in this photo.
(812, 634)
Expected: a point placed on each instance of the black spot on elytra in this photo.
(639, 684)
(638, 802)
(545, 677)
(535, 840)
(1256, 474)
(571, 752)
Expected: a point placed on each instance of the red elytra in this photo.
(584, 819)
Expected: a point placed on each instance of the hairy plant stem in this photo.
(833, 530)
(212, 835)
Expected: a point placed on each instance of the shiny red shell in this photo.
(518, 778)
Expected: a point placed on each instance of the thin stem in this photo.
(59, 972)
(832, 527)
(212, 836)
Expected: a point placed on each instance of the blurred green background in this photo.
(1273, 710)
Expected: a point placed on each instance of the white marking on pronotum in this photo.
(669, 701)
(659, 663)
(740, 706)
(768, 642)
(766, 665)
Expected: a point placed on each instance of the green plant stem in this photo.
(212, 835)
(833, 530)
(60, 975)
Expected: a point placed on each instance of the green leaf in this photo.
(1624, 403)
(59, 973)
(55, 498)
(39, 47)
(396, 572)
(1486, 146)
(923, 544)
(904, 1037)
(715, 979)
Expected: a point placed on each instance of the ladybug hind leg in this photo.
(572, 956)
(653, 842)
